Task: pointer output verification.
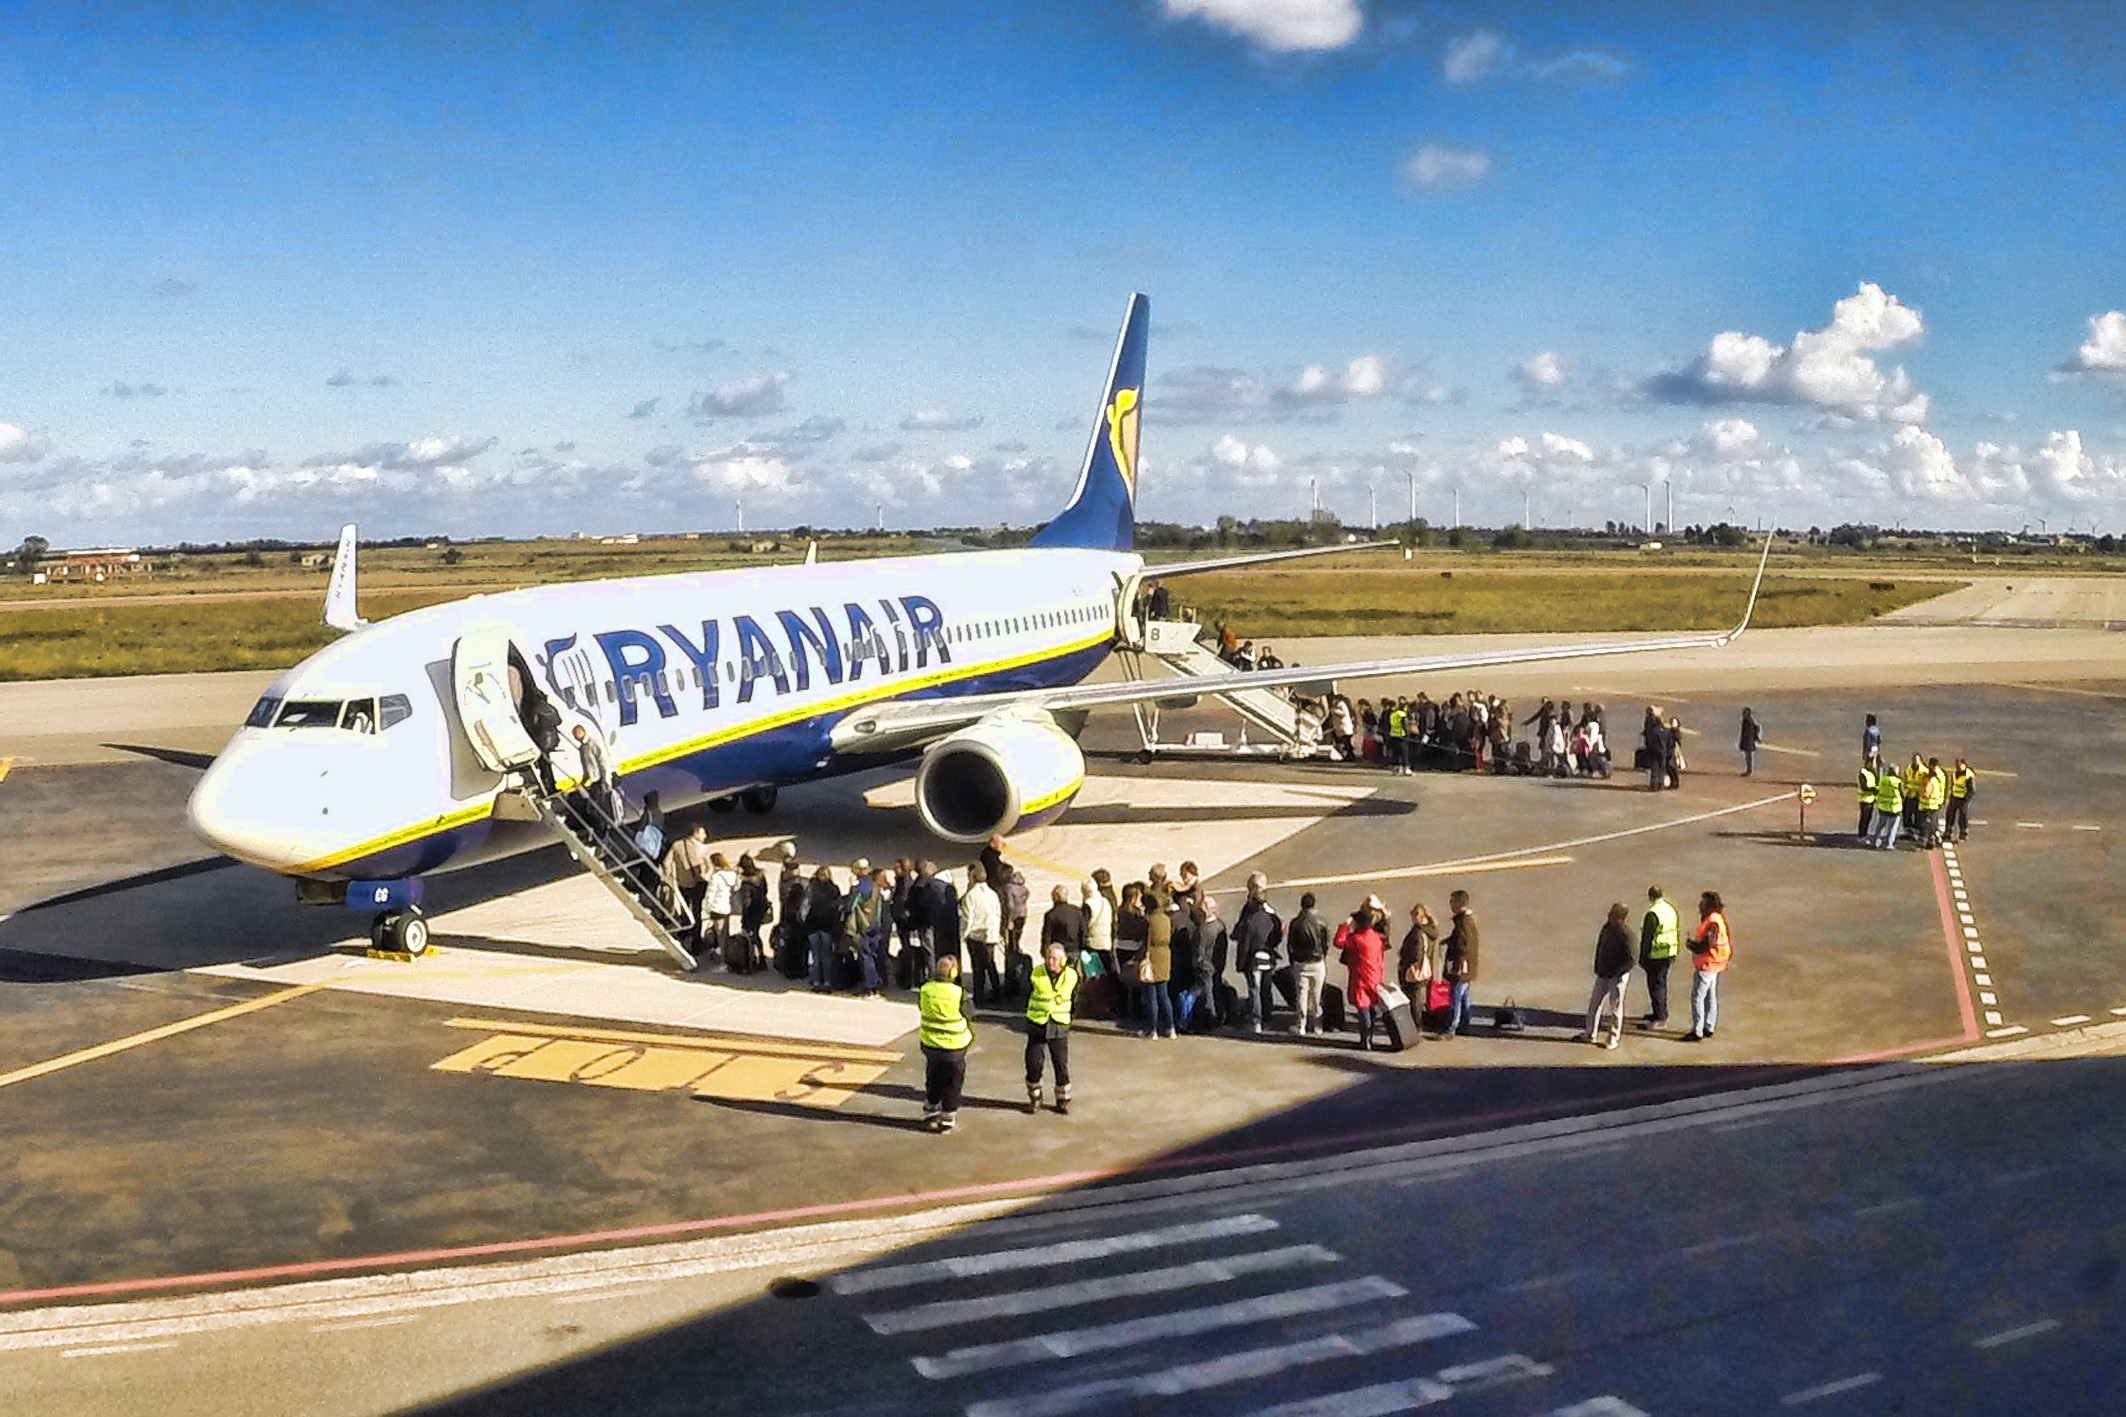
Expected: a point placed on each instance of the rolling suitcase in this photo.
(1228, 1008)
(792, 957)
(1097, 998)
(1332, 1009)
(1398, 1025)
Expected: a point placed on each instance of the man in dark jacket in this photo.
(1307, 941)
(936, 912)
(1206, 945)
(1612, 972)
(1064, 925)
(791, 945)
(823, 927)
(1459, 959)
(1256, 937)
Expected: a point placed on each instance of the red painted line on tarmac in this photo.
(600, 1239)
(1954, 938)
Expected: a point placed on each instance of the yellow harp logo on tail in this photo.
(1122, 438)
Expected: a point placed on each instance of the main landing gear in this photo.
(758, 800)
(400, 931)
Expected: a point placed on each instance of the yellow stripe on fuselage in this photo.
(884, 689)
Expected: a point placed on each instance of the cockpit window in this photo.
(359, 716)
(262, 712)
(397, 709)
(310, 713)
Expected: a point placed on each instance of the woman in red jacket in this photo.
(1363, 943)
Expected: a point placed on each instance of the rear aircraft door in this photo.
(479, 673)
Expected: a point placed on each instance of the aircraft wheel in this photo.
(381, 927)
(413, 933)
(758, 800)
(723, 804)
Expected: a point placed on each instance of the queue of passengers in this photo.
(1466, 732)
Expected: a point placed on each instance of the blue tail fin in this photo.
(1102, 514)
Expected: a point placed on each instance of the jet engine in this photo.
(1003, 774)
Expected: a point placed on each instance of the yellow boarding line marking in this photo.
(5, 764)
(1445, 869)
(156, 1035)
(765, 1047)
(642, 1067)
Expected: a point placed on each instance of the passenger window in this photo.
(397, 708)
(262, 713)
(309, 713)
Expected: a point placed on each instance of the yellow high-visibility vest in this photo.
(943, 1006)
(1052, 996)
(1867, 786)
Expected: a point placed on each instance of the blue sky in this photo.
(455, 269)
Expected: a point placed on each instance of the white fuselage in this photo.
(357, 765)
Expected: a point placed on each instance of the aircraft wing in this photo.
(906, 723)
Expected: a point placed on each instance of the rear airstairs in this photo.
(604, 848)
(1178, 645)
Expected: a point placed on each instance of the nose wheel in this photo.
(400, 932)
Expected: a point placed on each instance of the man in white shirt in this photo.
(981, 930)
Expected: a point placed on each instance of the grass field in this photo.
(1274, 604)
(274, 631)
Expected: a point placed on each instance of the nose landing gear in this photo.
(400, 932)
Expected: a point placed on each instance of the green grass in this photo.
(116, 638)
(1268, 604)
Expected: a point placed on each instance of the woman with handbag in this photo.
(1155, 970)
(1131, 932)
(1417, 962)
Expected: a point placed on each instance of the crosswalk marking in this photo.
(1383, 1399)
(1237, 1367)
(1598, 1407)
(1180, 1323)
(947, 1312)
(867, 1281)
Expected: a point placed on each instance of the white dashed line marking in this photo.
(2081, 828)
(390, 1320)
(2032, 826)
(101, 1349)
(1978, 961)
(2017, 1334)
(1547, 1281)
(1984, 980)
(1885, 1207)
(2070, 1019)
(1597, 1407)
(1814, 1394)
(1993, 1018)
(1725, 1242)
(2009, 1032)
(1987, 999)
(2120, 1012)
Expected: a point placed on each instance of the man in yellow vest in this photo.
(1889, 807)
(1659, 937)
(1055, 988)
(1933, 796)
(1914, 774)
(1867, 798)
(945, 1036)
(1963, 784)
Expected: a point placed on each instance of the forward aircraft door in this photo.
(479, 673)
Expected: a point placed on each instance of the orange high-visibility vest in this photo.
(1713, 929)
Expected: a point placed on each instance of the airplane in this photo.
(402, 750)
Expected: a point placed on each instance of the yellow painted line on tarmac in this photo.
(156, 1035)
(633, 1064)
(730, 1043)
(1047, 865)
(1447, 868)
(5, 764)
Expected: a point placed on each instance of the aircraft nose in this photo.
(241, 807)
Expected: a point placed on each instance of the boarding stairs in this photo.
(1178, 645)
(605, 849)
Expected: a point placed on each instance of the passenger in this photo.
(1266, 659)
(945, 1035)
(717, 898)
(1051, 991)
(1257, 935)
(1155, 970)
(1675, 753)
(981, 927)
(755, 908)
(1018, 955)
(1099, 914)
(937, 912)
(1132, 938)
(793, 949)
(1458, 962)
(1364, 948)
(1208, 945)
(1063, 924)
(1308, 943)
(594, 774)
(1612, 973)
(1417, 961)
(686, 866)
(868, 925)
(1752, 735)
(1653, 749)
(914, 966)
(1712, 946)
(823, 924)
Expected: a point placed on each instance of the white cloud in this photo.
(1557, 445)
(747, 398)
(937, 420)
(2104, 352)
(1214, 394)
(1255, 463)
(2070, 474)
(1439, 167)
(1827, 368)
(18, 444)
(1727, 436)
(1281, 26)
(1476, 56)
(1586, 65)
(1542, 374)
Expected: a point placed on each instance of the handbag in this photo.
(1145, 973)
(1440, 995)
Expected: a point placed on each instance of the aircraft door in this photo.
(479, 674)
(1129, 611)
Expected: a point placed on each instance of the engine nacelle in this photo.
(1004, 774)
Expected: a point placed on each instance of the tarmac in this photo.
(224, 1092)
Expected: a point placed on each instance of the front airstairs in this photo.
(604, 848)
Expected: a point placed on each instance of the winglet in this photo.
(812, 554)
(1748, 610)
(339, 599)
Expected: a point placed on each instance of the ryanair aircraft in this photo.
(395, 752)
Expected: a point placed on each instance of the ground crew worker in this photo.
(1712, 945)
(1660, 936)
(1889, 807)
(1867, 798)
(1933, 796)
(945, 1036)
(1054, 989)
(1392, 749)
(1962, 784)
(1914, 775)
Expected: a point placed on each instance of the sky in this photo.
(476, 271)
